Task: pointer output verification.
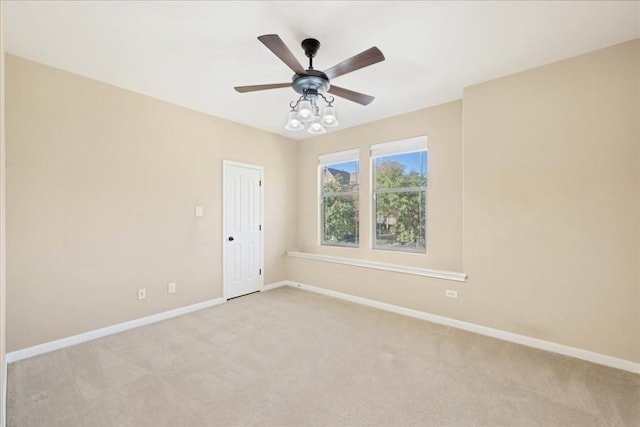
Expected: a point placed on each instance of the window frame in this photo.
(325, 160)
(405, 146)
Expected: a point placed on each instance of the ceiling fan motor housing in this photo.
(316, 80)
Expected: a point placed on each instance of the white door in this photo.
(242, 228)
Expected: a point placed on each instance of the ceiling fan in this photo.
(311, 83)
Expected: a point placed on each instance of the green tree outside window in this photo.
(400, 202)
(340, 214)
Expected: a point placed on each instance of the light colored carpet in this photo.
(294, 358)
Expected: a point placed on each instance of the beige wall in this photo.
(550, 202)
(101, 189)
(102, 184)
(551, 196)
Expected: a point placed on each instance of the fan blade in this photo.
(357, 97)
(243, 89)
(363, 59)
(277, 46)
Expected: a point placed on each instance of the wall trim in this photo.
(598, 358)
(418, 271)
(109, 330)
(274, 285)
(35, 350)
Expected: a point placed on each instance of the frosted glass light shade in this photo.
(293, 123)
(305, 111)
(316, 128)
(329, 118)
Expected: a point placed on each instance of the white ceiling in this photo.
(194, 53)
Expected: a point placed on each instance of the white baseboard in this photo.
(120, 327)
(98, 333)
(275, 285)
(578, 353)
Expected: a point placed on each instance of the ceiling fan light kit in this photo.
(307, 110)
(313, 84)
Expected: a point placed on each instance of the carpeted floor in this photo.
(293, 358)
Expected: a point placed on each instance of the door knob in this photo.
(231, 238)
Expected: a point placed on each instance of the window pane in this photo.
(340, 177)
(340, 203)
(399, 208)
(401, 170)
(340, 219)
(400, 221)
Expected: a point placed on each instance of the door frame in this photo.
(225, 165)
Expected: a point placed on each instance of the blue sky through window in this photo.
(416, 161)
(350, 167)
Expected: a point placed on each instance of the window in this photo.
(399, 195)
(339, 178)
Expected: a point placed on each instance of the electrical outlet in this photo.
(451, 294)
(171, 288)
(142, 293)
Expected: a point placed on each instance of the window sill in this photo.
(437, 274)
(340, 245)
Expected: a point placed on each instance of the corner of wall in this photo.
(3, 368)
